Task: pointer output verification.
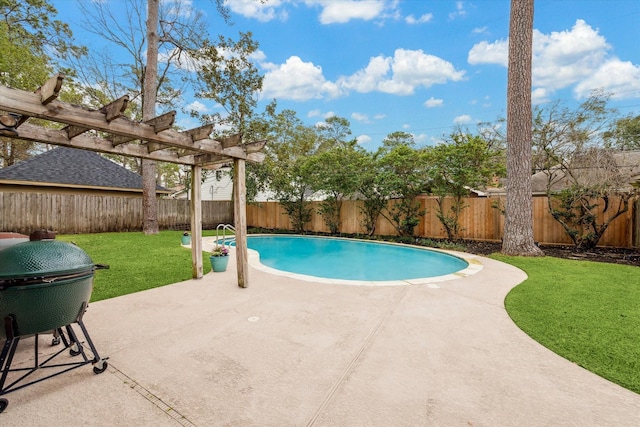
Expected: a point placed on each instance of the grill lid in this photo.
(45, 258)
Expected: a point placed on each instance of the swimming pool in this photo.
(354, 261)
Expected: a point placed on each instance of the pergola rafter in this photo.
(107, 130)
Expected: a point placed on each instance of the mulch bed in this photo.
(600, 254)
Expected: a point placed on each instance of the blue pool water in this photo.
(352, 259)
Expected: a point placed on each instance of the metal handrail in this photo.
(224, 227)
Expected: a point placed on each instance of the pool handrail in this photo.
(223, 228)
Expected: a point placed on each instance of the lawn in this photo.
(587, 312)
(136, 262)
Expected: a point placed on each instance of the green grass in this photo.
(137, 262)
(586, 312)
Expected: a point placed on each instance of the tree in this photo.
(518, 227)
(335, 132)
(591, 179)
(625, 134)
(227, 76)
(335, 174)
(462, 163)
(559, 131)
(291, 144)
(149, 204)
(402, 177)
(372, 190)
(32, 43)
(582, 174)
(175, 31)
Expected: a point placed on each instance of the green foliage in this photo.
(334, 173)
(459, 164)
(402, 176)
(32, 44)
(291, 144)
(583, 175)
(576, 208)
(28, 25)
(585, 311)
(625, 134)
(371, 189)
(227, 76)
(559, 131)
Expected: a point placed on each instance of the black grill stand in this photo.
(66, 334)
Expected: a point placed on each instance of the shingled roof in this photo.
(73, 167)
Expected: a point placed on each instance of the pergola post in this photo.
(240, 220)
(196, 221)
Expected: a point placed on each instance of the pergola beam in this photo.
(59, 137)
(29, 104)
(50, 90)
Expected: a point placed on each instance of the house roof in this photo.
(74, 167)
(628, 163)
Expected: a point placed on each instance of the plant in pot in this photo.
(219, 258)
(186, 238)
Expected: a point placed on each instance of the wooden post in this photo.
(196, 222)
(240, 219)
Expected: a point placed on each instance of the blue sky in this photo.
(421, 66)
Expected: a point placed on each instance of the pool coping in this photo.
(474, 266)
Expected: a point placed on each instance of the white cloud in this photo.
(463, 119)
(489, 53)
(402, 74)
(368, 79)
(460, 11)
(563, 58)
(576, 57)
(379, 116)
(262, 11)
(480, 30)
(359, 117)
(433, 102)
(427, 17)
(620, 78)
(363, 139)
(318, 113)
(419, 139)
(341, 11)
(539, 96)
(296, 80)
(197, 106)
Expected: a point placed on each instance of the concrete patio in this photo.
(286, 352)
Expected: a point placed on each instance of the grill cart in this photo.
(45, 287)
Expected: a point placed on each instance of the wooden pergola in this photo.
(107, 130)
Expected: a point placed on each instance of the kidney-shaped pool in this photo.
(349, 260)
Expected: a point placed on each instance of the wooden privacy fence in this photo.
(81, 213)
(482, 219)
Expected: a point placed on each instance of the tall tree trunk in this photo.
(149, 201)
(518, 225)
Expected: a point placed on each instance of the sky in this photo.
(424, 67)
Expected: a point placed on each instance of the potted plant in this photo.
(219, 258)
(186, 238)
